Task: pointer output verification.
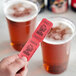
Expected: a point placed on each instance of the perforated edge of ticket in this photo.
(33, 43)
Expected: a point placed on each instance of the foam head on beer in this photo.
(20, 10)
(61, 32)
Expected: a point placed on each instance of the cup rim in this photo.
(67, 40)
(10, 3)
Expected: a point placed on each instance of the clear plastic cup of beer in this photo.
(21, 18)
(56, 45)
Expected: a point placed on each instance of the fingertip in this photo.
(24, 59)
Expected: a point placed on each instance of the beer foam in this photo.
(62, 24)
(20, 10)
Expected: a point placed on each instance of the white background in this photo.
(35, 65)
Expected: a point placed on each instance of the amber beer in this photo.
(56, 46)
(21, 17)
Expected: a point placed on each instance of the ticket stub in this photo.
(32, 44)
(29, 49)
(42, 30)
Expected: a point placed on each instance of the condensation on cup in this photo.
(56, 45)
(21, 18)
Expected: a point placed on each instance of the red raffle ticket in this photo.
(42, 30)
(29, 48)
(37, 37)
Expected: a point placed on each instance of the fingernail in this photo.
(24, 59)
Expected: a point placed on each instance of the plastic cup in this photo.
(56, 53)
(21, 18)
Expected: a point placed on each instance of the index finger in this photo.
(9, 60)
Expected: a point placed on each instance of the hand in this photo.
(13, 66)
